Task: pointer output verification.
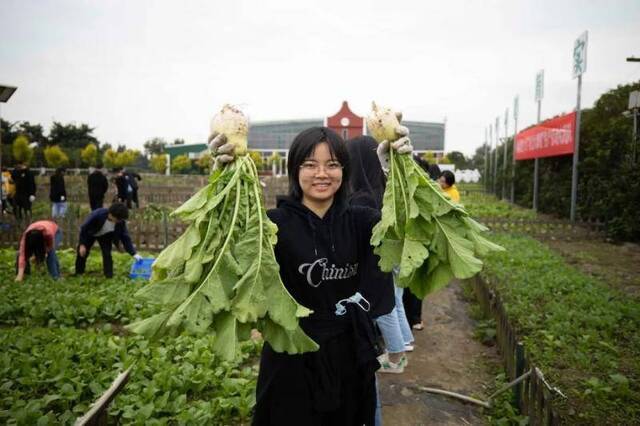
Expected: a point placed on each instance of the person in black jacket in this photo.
(326, 264)
(58, 194)
(133, 179)
(107, 226)
(123, 187)
(25, 191)
(98, 186)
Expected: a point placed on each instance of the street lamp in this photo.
(5, 93)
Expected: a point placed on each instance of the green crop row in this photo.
(70, 301)
(51, 376)
(481, 205)
(583, 335)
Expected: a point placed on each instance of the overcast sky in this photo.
(140, 69)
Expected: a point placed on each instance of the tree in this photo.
(180, 163)
(178, 141)
(159, 162)
(34, 132)
(55, 157)
(204, 162)
(458, 158)
(110, 158)
(89, 155)
(274, 158)
(477, 161)
(9, 131)
(429, 157)
(72, 135)
(154, 146)
(22, 153)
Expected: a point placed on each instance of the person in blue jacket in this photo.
(107, 226)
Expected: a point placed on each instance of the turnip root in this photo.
(382, 123)
(232, 123)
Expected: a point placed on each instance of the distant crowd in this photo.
(19, 190)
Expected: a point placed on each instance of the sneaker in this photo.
(409, 348)
(391, 367)
(418, 326)
(404, 361)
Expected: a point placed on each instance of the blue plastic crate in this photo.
(141, 268)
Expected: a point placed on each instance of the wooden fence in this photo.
(147, 235)
(534, 395)
(154, 235)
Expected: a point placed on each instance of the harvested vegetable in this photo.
(232, 123)
(221, 276)
(431, 238)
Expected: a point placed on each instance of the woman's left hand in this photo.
(402, 145)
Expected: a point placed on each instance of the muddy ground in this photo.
(447, 357)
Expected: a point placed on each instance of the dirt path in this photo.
(446, 357)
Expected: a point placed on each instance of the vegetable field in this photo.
(579, 329)
(63, 345)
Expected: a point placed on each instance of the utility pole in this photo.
(504, 161)
(536, 161)
(579, 67)
(486, 164)
(495, 160)
(513, 157)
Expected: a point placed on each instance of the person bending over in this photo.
(107, 226)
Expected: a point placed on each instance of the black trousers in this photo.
(96, 202)
(125, 199)
(106, 244)
(134, 198)
(412, 307)
(22, 208)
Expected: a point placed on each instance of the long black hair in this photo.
(34, 245)
(302, 148)
(367, 178)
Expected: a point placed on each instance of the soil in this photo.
(447, 357)
(618, 265)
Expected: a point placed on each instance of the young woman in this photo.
(447, 182)
(39, 242)
(367, 186)
(328, 265)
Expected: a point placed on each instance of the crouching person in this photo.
(39, 242)
(107, 226)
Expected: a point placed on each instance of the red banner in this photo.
(548, 139)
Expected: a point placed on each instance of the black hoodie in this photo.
(57, 188)
(323, 261)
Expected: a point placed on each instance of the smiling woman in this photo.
(328, 265)
(318, 163)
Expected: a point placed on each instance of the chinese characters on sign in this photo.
(548, 139)
(539, 85)
(580, 55)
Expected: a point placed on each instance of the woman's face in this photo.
(443, 182)
(320, 175)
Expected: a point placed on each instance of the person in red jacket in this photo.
(37, 244)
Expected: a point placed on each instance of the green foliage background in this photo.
(608, 182)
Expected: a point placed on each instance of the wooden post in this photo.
(165, 230)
